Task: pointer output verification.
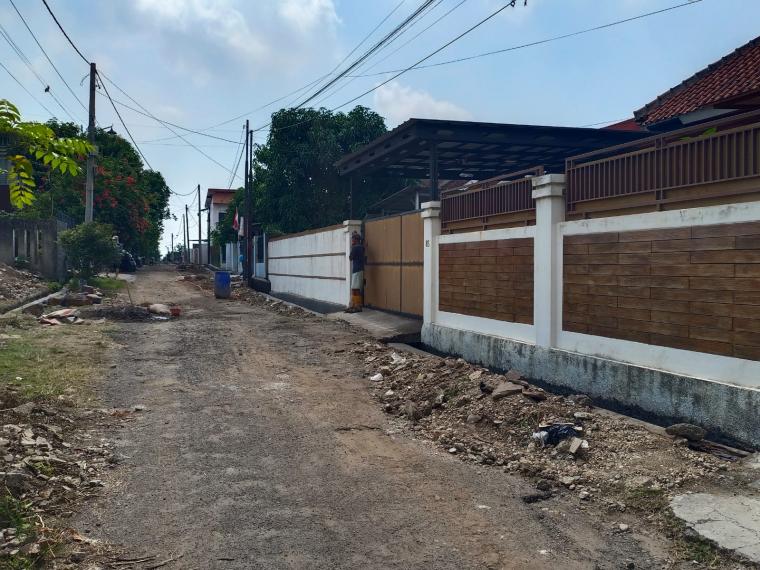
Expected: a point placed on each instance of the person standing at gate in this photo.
(357, 273)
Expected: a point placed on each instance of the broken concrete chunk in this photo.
(576, 445)
(514, 376)
(506, 389)
(534, 394)
(376, 378)
(689, 431)
(160, 309)
(476, 375)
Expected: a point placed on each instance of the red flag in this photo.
(235, 221)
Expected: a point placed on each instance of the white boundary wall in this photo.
(689, 363)
(313, 264)
(546, 332)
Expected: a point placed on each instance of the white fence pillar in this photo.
(549, 193)
(431, 220)
(350, 226)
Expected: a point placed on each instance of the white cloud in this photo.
(397, 103)
(201, 37)
(308, 15)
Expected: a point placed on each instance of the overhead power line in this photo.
(300, 89)
(123, 124)
(40, 103)
(60, 27)
(538, 42)
(384, 40)
(28, 63)
(50, 61)
(236, 165)
(152, 116)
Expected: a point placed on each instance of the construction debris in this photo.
(490, 419)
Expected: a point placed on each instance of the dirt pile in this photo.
(50, 460)
(17, 284)
(491, 419)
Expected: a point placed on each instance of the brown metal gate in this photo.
(393, 273)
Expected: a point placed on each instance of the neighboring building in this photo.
(217, 204)
(729, 86)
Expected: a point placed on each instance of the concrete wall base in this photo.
(728, 412)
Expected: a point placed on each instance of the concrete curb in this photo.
(21, 303)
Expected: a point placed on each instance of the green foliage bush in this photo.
(90, 248)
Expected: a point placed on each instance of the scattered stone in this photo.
(476, 375)
(576, 445)
(506, 389)
(514, 376)
(584, 495)
(536, 395)
(474, 419)
(689, 431)
(580, 400)
(622, 527)
(376, 378)
(139, 408)
(411, 411)
(453, 450)
(567, 481)
(536, 497)
(583, 415)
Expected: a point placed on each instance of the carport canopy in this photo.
(465, 150)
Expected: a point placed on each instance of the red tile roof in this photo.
(734, 75)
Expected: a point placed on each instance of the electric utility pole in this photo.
(188, 259)
(200, 257)
(171, 256)
(90, 184)
(247, 219)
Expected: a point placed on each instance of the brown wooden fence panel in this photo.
(394, 263)
(693, 288)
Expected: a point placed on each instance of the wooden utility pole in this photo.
(246, 220)
(90, 184)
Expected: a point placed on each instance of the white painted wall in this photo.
(548, 238)
(313, 265)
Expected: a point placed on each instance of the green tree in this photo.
(297, 186)
(34, 141)
(128, 197)
(90, 248)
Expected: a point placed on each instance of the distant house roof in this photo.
(219, 195)
(627, 125)
(731, 82)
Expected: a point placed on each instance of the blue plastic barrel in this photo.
(222, 284)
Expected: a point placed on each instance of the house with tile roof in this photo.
(729, 86)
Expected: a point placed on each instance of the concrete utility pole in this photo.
(247, 219)
(200, 257)
(171, 256)
(188, 259)
(90, 184)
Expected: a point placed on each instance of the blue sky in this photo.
(201, 62)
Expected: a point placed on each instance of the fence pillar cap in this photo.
(548, 185)
(431, 209)
(350, 225)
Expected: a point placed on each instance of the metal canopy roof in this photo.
(475, 150)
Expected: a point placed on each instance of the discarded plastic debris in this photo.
(553, 434)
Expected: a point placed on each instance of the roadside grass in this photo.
(42, 362)
(687, 545)
(107, 284)
(18, 515)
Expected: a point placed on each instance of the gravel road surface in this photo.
(261, 448)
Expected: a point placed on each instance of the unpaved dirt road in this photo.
(260, 448)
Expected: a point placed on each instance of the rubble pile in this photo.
(50, 460)
(504, 421)
(17, 284)
(253, 297)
